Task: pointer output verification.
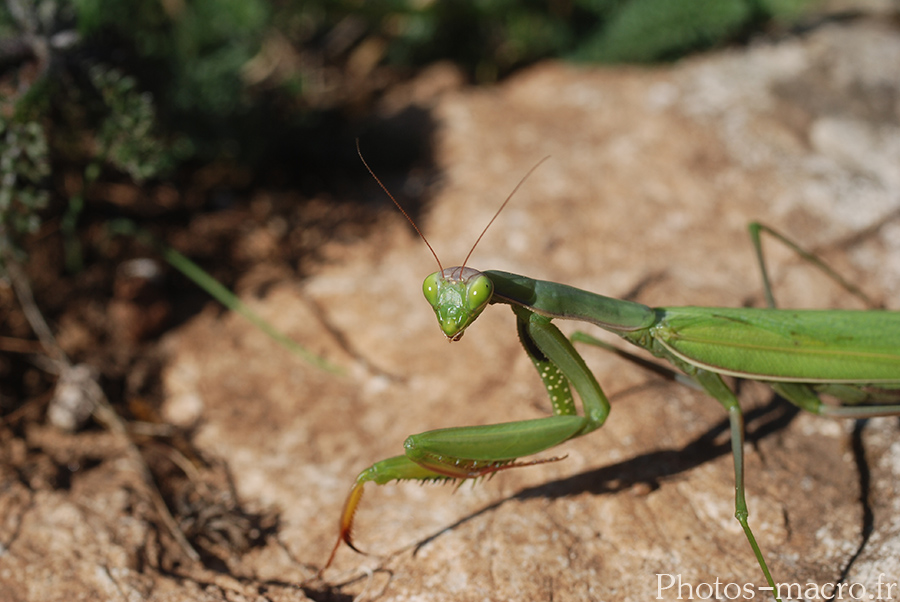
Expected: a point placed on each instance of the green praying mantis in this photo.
(850, 355)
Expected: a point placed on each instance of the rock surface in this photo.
(653, 177)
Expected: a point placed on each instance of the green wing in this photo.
(785, 345)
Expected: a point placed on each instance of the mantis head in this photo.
(458, 296)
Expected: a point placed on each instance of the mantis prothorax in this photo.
(852, 355)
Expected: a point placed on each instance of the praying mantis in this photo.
(852, 356)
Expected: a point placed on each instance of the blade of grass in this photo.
(224, 296)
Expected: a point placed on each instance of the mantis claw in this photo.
(398, 468)
(345, 534)
(401, 468)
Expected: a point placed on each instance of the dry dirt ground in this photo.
(653, 177)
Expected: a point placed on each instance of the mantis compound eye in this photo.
(478, 292)
(430, 288)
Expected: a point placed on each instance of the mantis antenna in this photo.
(400, 207)
(419, 232)
(522, 181)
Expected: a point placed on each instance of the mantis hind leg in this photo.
(712, 383)
(883, 400)
(807, 398)
(755, 229)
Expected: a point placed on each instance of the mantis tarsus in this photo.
(851, 355)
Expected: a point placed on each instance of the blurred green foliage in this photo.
(24, 166)
(135, 89)
(196, 47)
(653, 30)
(125, 135)
(489, 38)
(189, 53)
(645, 30)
